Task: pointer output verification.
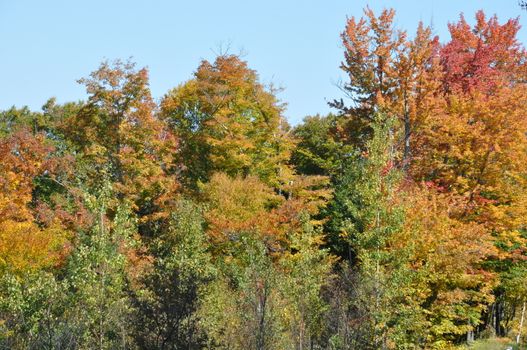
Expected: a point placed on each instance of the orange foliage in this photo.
(24, 245)
(247, 205)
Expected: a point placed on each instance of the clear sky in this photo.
(46, 45)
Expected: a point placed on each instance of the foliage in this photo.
(204, 221)
(226, 120)
(166, 305)
(318, 151)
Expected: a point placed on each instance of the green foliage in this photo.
(34, 313)
(240, 310)
(305, 271)
(14, 119)
(86, 304)
(97, 284)
(166, 305)
(366, 217)
(364, 195)
(261, 301)
(318, 151)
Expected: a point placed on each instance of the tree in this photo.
(319, 151)
(95, 277)
(24, 245)
(305, 270)
(14, 119)
(31, 312)
(166, 306)
(387, 73)
(241, 308)
(118, 127)
(233, 210)
(267, 254)
(448, 255)
(483, 58)
(82, 304)
(227, 121)
(366, 221)
(475, 142)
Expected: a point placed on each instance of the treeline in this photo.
(205, 221)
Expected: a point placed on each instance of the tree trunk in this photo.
(521, 325)
(407, 133)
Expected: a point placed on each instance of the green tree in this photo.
(366, 217)
(96, 279)
(304, 271)
(31, 313)
(242, 307)
(319, 150)
(166, 305)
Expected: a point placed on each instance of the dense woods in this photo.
(205, 221)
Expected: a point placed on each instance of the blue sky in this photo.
(46, 45)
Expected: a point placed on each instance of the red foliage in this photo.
(484, 57)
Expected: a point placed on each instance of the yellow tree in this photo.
(474, 147)
(447, 256)
(227, 120)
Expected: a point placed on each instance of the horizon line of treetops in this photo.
(205, 221)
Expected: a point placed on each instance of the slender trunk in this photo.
(102, 276)
(521, 325)
(378, 314)
(470, 337)
(497, 320)
(301, 336)
(261, 310)
(407, 133)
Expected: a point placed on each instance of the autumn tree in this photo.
(83, 302)
(23, 244)
(207, 222)
(475, 145)
(226, 120)
(448, 256)
(484, 57)
(118, 126)
(387, 73)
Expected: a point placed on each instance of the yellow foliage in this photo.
(25, 247)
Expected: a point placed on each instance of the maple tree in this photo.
(23, 244)
(479, 136)
(226, 120)
(484, 57)
(118, 127)
(449, 255)
(387, 73)
(117, 132)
